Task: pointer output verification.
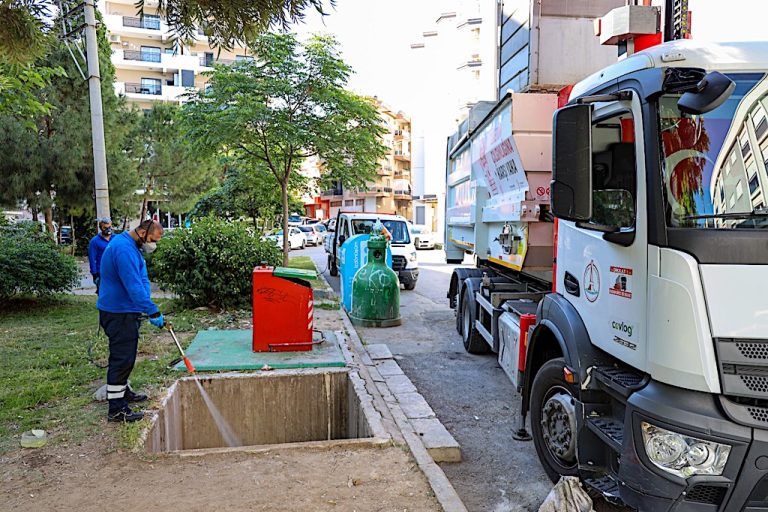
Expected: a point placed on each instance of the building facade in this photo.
(457, 54)
(391, 191)
(150, 64)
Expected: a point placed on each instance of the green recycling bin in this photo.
(376, 289)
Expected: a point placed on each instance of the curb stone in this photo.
(444, 492)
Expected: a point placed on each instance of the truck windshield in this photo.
(714, 165)
(397, 228)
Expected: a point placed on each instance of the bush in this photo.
(212, 263)
(30, 262)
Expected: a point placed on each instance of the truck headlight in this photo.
(682, 455)
(413, 256)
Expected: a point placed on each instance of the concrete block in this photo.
(388, 367)
(437, 440)
(400, 384)
(414, 406)
(379, 351)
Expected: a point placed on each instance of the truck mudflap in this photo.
(743, 484)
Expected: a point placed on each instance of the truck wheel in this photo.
(409, 286)
(553, 421)
(332, 266)
(473, 342)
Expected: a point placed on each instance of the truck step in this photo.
(606, 486)
(610, 430)
(622, 381)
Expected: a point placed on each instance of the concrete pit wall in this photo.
(276, 407)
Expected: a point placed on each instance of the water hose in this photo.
(187, 362)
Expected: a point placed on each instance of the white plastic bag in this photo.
(567, 496)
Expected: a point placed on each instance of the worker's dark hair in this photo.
(148, 225)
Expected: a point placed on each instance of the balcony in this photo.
(402, 156)
(151, 92)
(142, 55)
(384, 171)
(403, 173)
(153, 61)
(146, 23)
(333, 192)
(145, 28)
(403, 193)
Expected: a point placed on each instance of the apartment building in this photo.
(458, 56)
(150, 64)
(390, 191)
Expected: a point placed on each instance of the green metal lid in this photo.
(296, 273)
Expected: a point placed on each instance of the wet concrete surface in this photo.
(470, 394)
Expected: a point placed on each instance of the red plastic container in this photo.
(282, 310)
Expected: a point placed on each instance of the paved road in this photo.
(470, 394)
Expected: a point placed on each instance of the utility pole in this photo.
(97, 116)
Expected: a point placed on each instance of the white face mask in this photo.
(149, 247)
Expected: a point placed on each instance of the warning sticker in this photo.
(621, 280)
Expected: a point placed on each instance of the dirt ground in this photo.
(84, 478)
(96, 476)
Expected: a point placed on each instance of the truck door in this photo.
(602, 264)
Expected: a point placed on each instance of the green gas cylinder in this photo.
(376, 289)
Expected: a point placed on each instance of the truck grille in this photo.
(398, 263)
(709, 494)
(743, 366)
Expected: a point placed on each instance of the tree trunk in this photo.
(144, 205)
(48, 212)
(286, 242)
(34, 214)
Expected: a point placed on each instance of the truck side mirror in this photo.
(572, 163)
(710, 93)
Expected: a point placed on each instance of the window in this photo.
(722, 195)
(150, 54)
(727, 169)
(760, 122)
(151, 86)
(754, 184)
(421, 214)
(739, 189)
(241, 58)
(733, 157)
(744, 141)
(732, 201)
(151, 22)
(349, 202)
(613, 172)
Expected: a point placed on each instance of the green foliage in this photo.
(19, 88)
(226, 22)
(30, 262)
(211, 264)
(52, 160)
(170, 167)
(290, 104)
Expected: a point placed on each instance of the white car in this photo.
(313, 235)
(296, 238)
(423, 237)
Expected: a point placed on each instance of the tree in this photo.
(170, 167)
(19, 89)
(48, 158)
(247, 193)
(285, 106)
(225, 22)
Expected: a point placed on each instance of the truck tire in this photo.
(554, 421)
(334, 271)
(473, 341)
(409, 286)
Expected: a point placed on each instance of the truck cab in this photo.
(644, 369)
(404, 260)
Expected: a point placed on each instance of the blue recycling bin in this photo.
(353, 254)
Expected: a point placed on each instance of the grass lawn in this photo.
(306, 263)
(47, 379)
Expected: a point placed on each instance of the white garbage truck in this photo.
(620, 235)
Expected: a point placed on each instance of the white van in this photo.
(358, 223)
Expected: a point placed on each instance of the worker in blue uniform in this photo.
(124, 298)
(96, 248)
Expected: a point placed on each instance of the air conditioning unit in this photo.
(114, 38)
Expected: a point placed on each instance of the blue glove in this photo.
(158, 321)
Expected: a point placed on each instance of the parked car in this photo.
(322, 229)
(404, 261)
(65, 234)
(296, 239)
(423, 237)
(295, 220)
(312, 235)
(309, 221)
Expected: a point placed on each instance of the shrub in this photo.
(30, 262)
(211, 263)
